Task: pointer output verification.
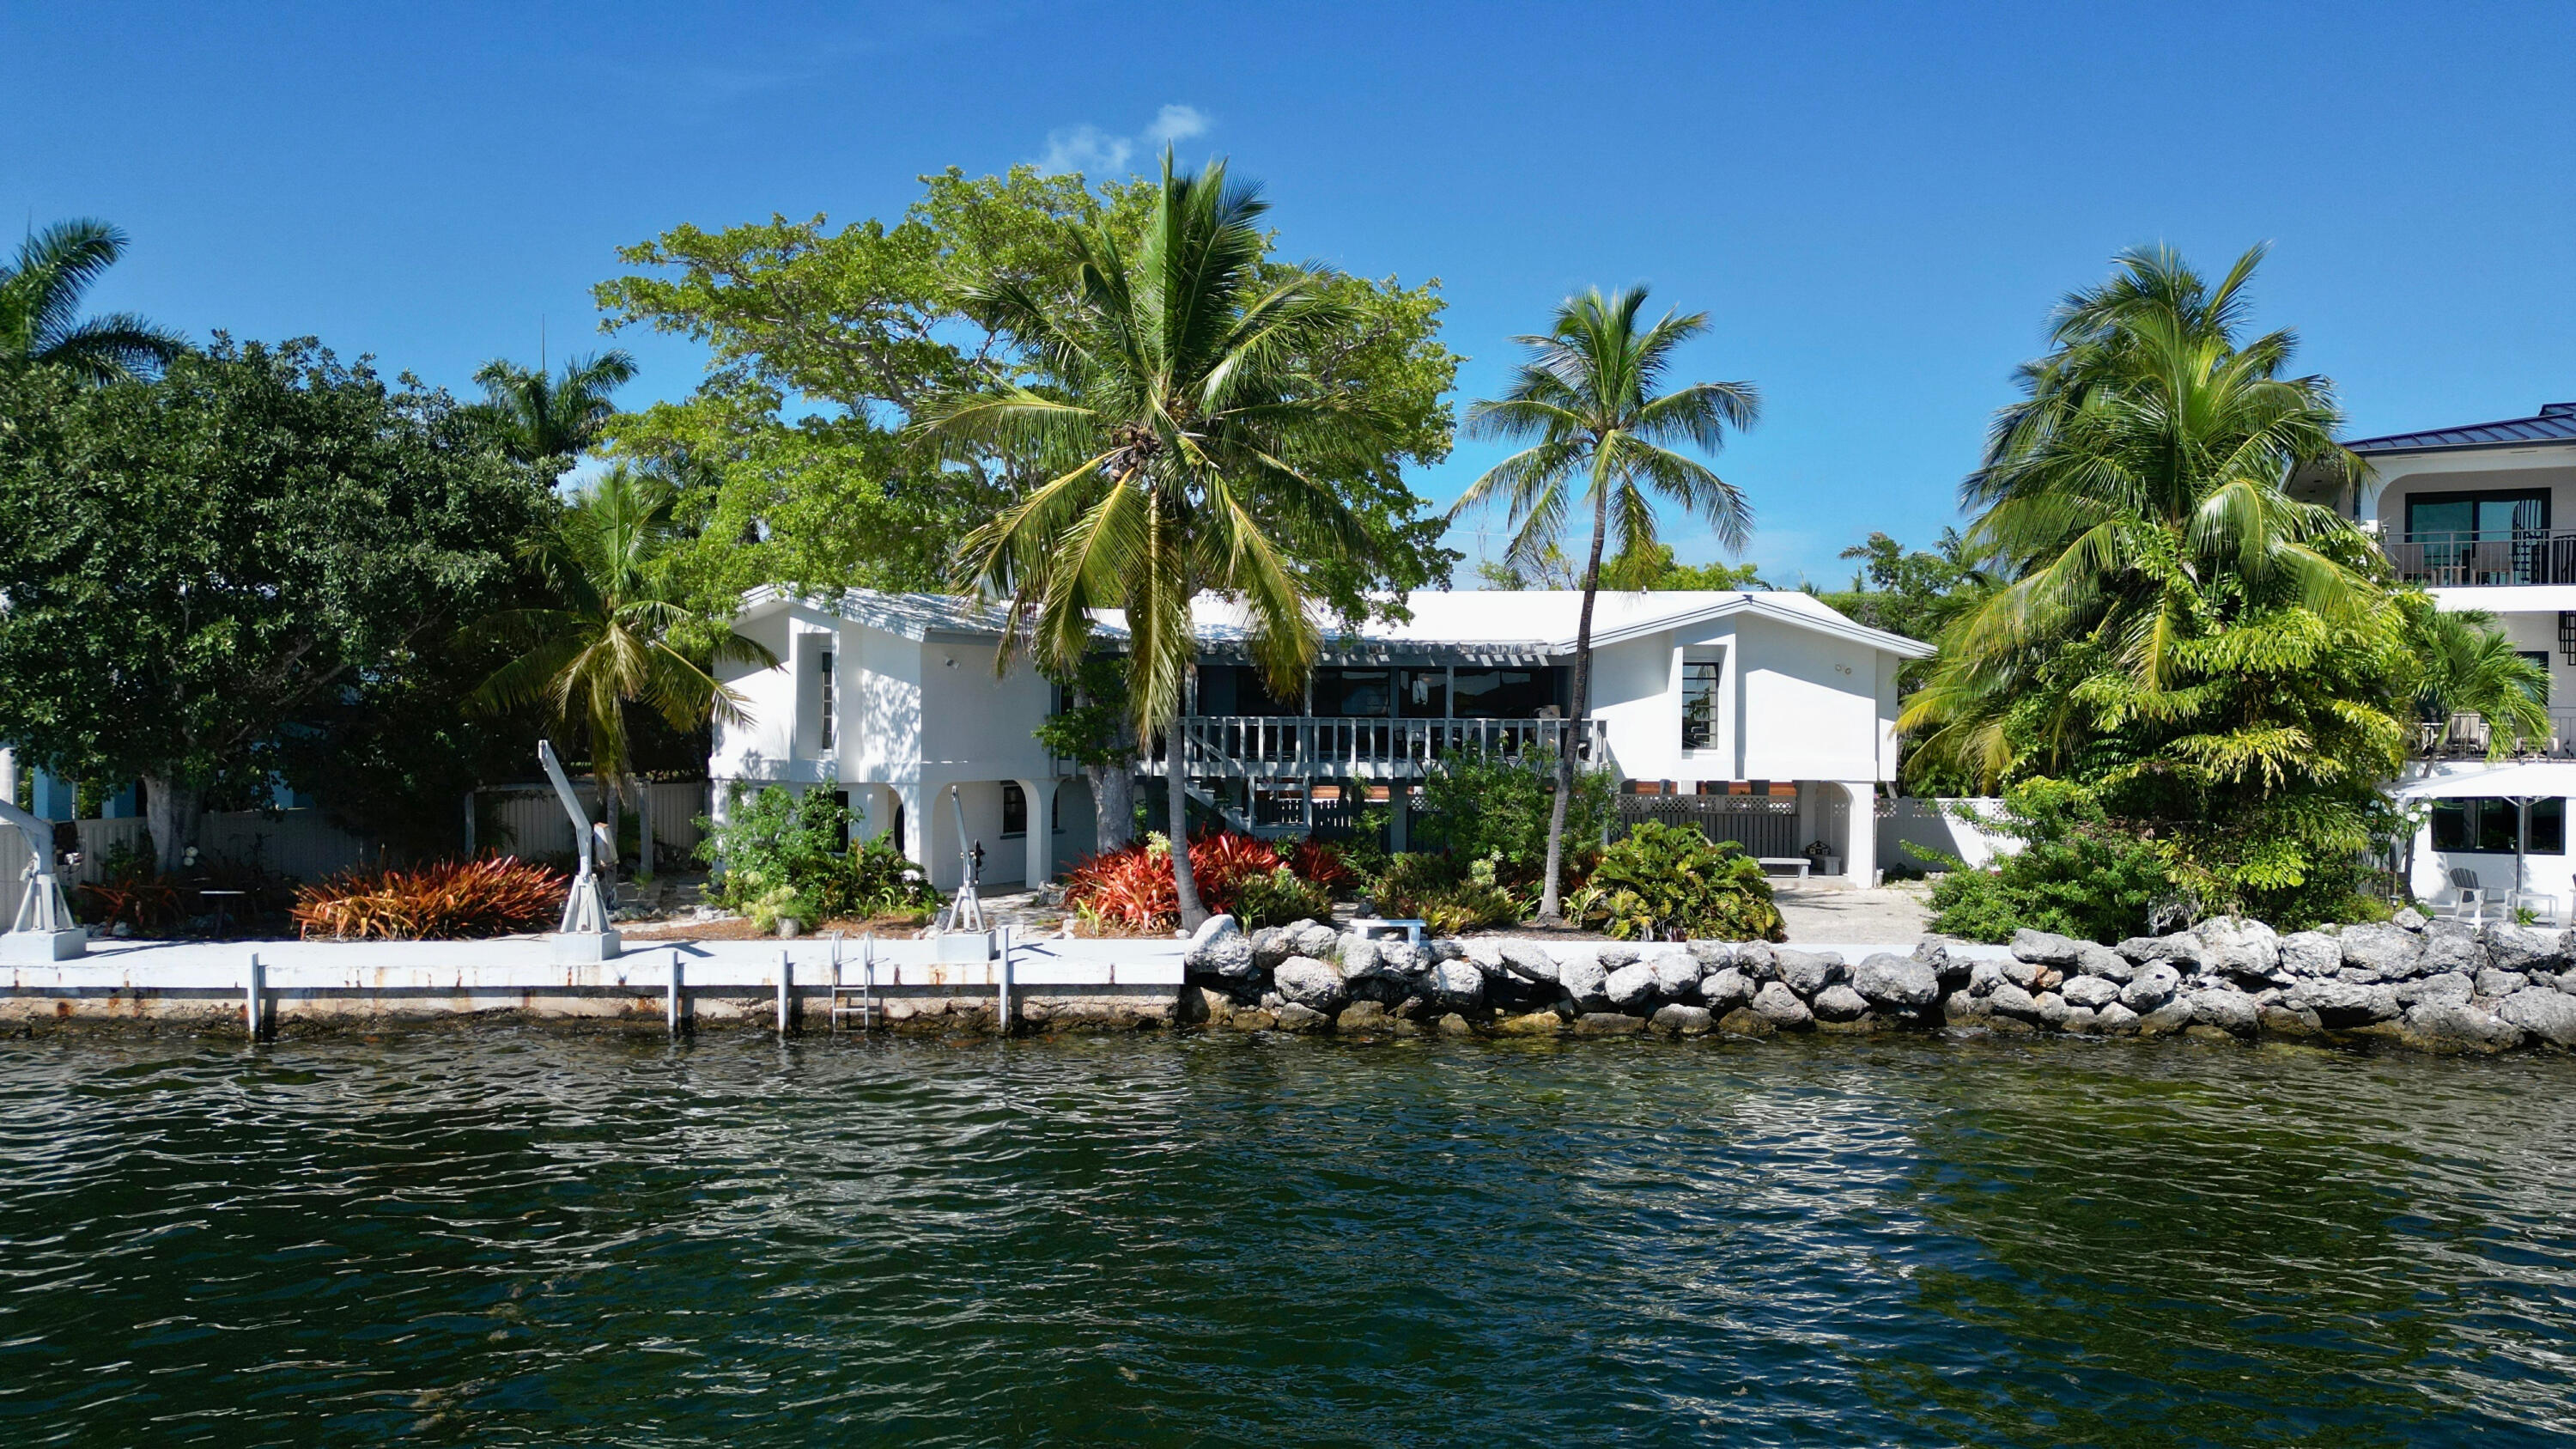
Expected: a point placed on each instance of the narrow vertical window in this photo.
(1699, 703)
(827, 734)
(1015, 809)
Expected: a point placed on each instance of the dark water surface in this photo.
(506, 1237)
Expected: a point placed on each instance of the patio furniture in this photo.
(1367, 927)
(2469, 899)
(219, 902)
(1798, 863)
(2543, 906)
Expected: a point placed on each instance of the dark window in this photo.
(2475, 517)
(1240, 689)
(1354, 693)
(1699, 703)
(2487, 826)
(1505, 693)
(1015, 810)
(1422, 693)
(829, 730)
(1055, 811)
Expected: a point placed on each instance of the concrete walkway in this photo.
(1817, 912)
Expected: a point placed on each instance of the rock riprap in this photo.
(2438, 985)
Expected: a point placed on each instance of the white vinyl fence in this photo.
(298, 843)
(527, 820)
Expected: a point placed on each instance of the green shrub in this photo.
(1670, 883)
(1481, 807)
(2078, 873)
(774, 841)
(1451, 896)
(1277, 898)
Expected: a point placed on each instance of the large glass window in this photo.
(2484, 517)
(1240, 689)
(827, 735)
(1354, 693)
(1699, 703)
(1015, 810)
(1504, 693)
(2487, 826)
(2498, 537)
(1422, 693)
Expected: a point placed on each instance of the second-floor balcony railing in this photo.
(1322, 747)
(2457, 560)
(2465, 736)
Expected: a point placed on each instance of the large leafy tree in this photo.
(2230, 668)
(196, 567)
(1606, 437)
(543, 417)
(1187, 430)
(40, 298)
(826, 344)
(611, 636)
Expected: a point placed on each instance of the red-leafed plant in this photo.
(1321, 865)
(1131, 887)
(448, 900)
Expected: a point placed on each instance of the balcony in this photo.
(1256, 747)
(2484, 560)
(2465, 738)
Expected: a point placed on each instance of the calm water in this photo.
(502, 1238)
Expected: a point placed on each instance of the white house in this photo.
(1776, 714)
(2480, 514)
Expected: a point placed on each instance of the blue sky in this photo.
(1875, 203)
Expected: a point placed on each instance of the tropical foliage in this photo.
(542, 418)
(1671, 883)
(1603, 436)
(448, 900)
(2079, 872)
(2225, 666)
(40, 321)
(790, 855)
(1186, 433)
(1449, 893)
(1133, 887)
(1490, 807)
(613, 636)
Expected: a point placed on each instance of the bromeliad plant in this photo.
(452, 900)
(1131, 888)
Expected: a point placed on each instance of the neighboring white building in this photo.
(2484, 515)
(1772, 701)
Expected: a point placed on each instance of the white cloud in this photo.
(1176, 123)
(1095, 152)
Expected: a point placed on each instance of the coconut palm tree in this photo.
(1589, 397)
(610, 639)
(1180, 437)
(40, 295)
(541, 418)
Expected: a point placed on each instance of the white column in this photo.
(1860, 859)
(8, 775)
(1040, 795)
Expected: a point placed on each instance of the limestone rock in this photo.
(2407, 918)
(1984, 977)
(1615, 954)
(2180, 946)
(2343, 1005)
(2452, 946)
(1312, 939)
(2098, 960)
(1807, 974)
(1744, 1021)
(1297, 1017)
(2451, 988)
(2010, 1000)
(1950, 967)
(1725, 989)
(2520, 948)
(1676, 1019)
(2233, 1012)
(1456, 984)
(2501, 984)
(1531, 1023)
(1358, 956)
(2024, 974)
(2238, 948)
(1630, 986)
(2549, 1015)
(1219, 949)
(1582, 978)
(1256, 1018)
(2081, 1020)
(1452, 1024)
(1270, 946)
(2153, 986)
(2310, 953)
(2387, 952)
(1310, 983)
(2091, 993)
(1711, 955)
(2050, 1010)
(2044, 948)
(2444, 1027)
(1676, 974)
(1450, 948)
(1608, 1023)
(2115, 1020)
(1961, 1009)
(1529, 961)
(2167, 1019)
(1758, 960)
(1362, 1016)
(1778, 1005)
(1840, 1003)
(1896, 983)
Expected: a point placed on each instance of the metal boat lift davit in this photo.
(44, 931)
(584, 934)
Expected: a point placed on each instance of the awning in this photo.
(2531, 780)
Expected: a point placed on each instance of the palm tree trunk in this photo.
(1550, 901)
(1184, 882)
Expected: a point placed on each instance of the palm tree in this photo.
(2135, 488)
(609, 640)
(40, 297)
(1589, 397)
(1181, 438)
(2470, 667)
(541, 418)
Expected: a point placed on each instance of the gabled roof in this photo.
(2554, 423)
(1482, 624)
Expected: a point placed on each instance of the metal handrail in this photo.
(1322, 745)
(2466, 736)
(2466, 559)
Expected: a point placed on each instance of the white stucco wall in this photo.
(1811, 705)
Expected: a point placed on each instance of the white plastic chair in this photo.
(2468, 898)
